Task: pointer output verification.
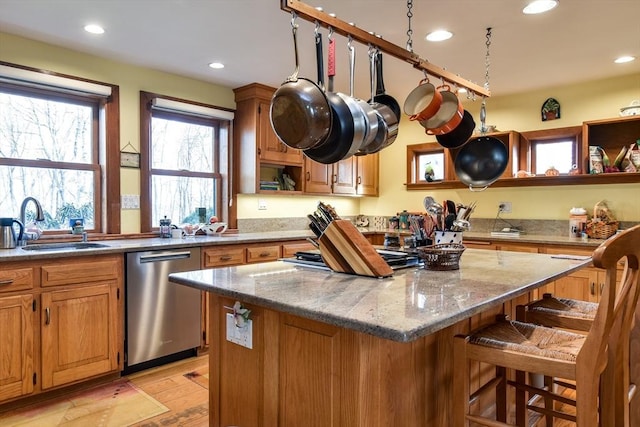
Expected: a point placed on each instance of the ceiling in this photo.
(577, 41)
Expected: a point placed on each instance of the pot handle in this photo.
(319, 60)
(477, 190)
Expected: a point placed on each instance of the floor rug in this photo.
(116, 404)
(199, 377)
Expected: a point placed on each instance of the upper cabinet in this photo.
(263, 159)
(610, 134)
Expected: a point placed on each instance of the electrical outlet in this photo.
(262, 205)
(504, 207)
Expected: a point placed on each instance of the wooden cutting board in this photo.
(345, 249)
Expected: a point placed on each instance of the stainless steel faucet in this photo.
(23, 214)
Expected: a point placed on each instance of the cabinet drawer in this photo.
(81, 271)
(263, 253)
(16, 279)
(223, 256)
(289, 249)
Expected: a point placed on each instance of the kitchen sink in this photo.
(64, 246)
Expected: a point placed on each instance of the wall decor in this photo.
(129, 159)
(550, 109)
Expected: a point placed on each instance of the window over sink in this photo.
(52, 133)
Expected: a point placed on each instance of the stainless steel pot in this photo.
(8, 237)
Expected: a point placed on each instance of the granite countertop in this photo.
(157, 243)
(414, 302)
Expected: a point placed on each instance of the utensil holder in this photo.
(344, 249)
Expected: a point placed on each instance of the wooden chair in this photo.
(579, 315)
(556, 353)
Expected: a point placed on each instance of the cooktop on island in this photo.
(397, 259)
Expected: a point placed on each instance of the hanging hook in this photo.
(330, 35)
(317, 29)
(294, 16)
(349, 41)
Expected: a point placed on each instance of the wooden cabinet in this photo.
(336, 178)
(290, 248)
(17, 323)
(222, 256)
(355, 175)
(61, 322)
(263, 253)
(368, 175)
(261, 154)
(79, 333)
(611, 135)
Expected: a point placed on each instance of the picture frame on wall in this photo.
(129, 160)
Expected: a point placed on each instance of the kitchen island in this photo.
(334, 349)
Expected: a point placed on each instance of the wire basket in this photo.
(441, 257)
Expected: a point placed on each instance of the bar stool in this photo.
(579, 316)
(556, 353)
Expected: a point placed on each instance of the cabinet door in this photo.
(367, 167)
(16, 352)
(345, 176)
(318, 177)
(582, 285)
(269, 146)
(79, 333)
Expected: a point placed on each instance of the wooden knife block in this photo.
(346, 250)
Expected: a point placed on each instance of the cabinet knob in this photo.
(335, 177)
(592, 288)
(225, 258)
(308, 176)
(6, 282)
(359, 180)
(47, 316)
(264, 254)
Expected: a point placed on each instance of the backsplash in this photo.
(479, 225)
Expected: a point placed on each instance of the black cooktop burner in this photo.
(395, 259)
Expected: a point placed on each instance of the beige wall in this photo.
(580, 102)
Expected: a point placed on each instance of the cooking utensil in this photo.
(387, 120)
(482, 160)
(448, 116)
(371, 118)
(432, 206)
(460, 135)
(348, 124)
(381, 95)
(423, 101)
(300, 113)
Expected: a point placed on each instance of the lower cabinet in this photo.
(17, 324)
(79, 333)
(67, 328)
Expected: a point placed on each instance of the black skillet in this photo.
(381, 97)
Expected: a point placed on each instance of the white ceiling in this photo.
(577, 41)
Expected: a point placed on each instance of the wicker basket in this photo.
(601, 230)
(603, 224)
(441, 257)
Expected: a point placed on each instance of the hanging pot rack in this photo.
(313, 15)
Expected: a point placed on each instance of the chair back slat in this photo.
(617, 303)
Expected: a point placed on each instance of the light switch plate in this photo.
(130, 201)
(241, 336)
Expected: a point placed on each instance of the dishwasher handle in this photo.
(164, 257)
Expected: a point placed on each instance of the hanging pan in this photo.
(482, 160)
(387, 128)
(300, 112)
(381, 96)
(347, 132)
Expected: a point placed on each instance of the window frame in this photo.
(105, 139)
(531, 139)
(414, 151)
(222, 156)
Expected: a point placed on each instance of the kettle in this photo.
(8, 239)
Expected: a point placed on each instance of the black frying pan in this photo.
(347, 128)
(481, 161)
(381, 97)
(300, 113)
(459, 136)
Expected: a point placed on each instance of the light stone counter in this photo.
(414, 302)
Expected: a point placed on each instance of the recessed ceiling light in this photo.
(539, 6)
(624, 59)
(216, 65)
(439, 35)
(94, 29)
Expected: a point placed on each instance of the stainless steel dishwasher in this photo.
(162, 318)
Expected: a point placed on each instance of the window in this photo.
(187, 162)
(428, 162)
(49, 150)
(557, 148)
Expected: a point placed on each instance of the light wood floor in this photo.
(187, 400)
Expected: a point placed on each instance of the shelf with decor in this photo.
(610, 134)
